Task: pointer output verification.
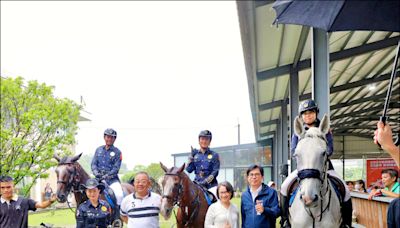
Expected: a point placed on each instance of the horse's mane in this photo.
(314, 132)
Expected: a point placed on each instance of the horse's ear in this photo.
(324, 125)
(55, 155)
(163, 167)
(181, 168)
(76, 157)
(298, 127)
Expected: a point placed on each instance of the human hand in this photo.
(259, 207)
(227, 225)
(383, 135)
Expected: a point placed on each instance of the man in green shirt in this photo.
(392, 187)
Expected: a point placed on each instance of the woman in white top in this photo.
(223, 214)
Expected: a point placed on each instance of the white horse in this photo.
(316, 203)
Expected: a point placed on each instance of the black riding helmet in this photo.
(308, 105)
(110, 132)
(205, 133)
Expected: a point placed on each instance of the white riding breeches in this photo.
(119, 194)
(213, 190)
(292, 177)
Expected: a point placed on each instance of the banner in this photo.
(375, 167)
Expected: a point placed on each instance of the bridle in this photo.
(322, 176)
(73, 183)
(176, 199)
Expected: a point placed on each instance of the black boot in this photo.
(284, 205)
(347, 213)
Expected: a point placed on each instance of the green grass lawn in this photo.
(66, 218)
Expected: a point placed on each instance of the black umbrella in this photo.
(345, 15)
(340, 15)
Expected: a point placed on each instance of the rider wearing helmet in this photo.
(107, 162)
(308, 111)
(204, 163)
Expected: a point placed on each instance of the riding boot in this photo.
(347, 213)
(284, 205)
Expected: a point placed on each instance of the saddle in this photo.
(337, 184)
(209, 195)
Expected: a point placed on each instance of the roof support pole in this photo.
(285, 141)
(275, 157)
(294, 104)
(279, 152)
(320, 69)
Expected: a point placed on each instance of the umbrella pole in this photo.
(383, 118)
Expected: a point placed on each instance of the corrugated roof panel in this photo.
(307, 48)
(281, 87)
(337, 40)
(266, 90)
(276, 113)
(265, 115)
(358, 38)
(267, 35)
(289, 44)
(304, 78)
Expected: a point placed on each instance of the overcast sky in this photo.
(157, 72)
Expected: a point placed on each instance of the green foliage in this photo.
(154, 170)
(34, 125)
(354, 173)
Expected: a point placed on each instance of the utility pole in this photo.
(238, 126)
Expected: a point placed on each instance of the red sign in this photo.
(375, 167)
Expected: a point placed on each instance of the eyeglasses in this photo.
(254, 174)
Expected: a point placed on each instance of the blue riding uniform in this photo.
(205, 166)
(89, 216)
(107, 162)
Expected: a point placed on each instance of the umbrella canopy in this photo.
(340, 15)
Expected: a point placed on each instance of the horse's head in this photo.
(66, 172)
(311, 156)
(171, 188)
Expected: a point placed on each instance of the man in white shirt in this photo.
(141, 208)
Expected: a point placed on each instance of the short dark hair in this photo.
(252, 167)
(228, 187)
(6, 179)
(349, 182)
(391, 172)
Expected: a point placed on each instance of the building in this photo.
(235, 160)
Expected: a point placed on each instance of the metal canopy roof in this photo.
(360, 67)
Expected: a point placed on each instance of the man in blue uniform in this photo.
(204, 163)
(93, 213)
(106, 164)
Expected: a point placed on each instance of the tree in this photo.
(34, 125)
(154, 170)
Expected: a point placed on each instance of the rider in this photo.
(308, 111)
(204, 163)
(106, 164)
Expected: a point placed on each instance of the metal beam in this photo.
(269, 122)
(362, 111)
(335, 56)
(362, 82)
(364, 99)
(334, 89)
(265, 134)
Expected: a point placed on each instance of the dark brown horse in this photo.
(179, 190)
(71, 175)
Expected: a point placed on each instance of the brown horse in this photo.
(71, 175)
(179, 190)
